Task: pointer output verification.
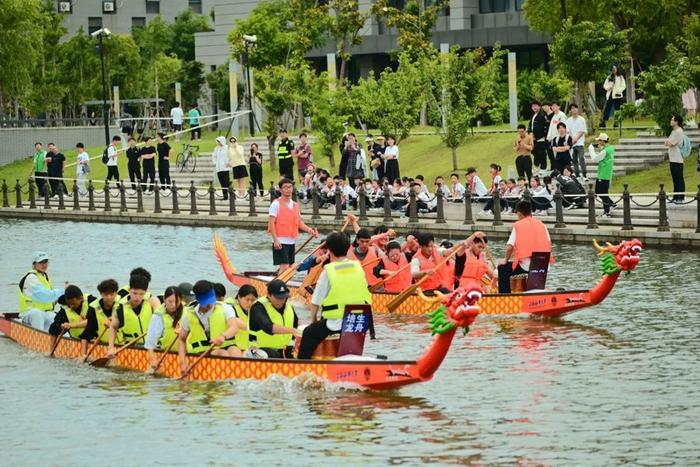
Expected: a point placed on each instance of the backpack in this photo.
(105, 155)
(686, 147)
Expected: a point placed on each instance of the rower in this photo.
(36, 295)
(185, 289)
(529, 235)
(284, 225)
(475, 267)
(341, 283)
(210, 323)
(424, 263)
(245, 298)
(101, 309)
(219, 291)
(392, 266)
(363, 252)
(139, 271)
(72, 317)
(133, 315)
(273, 321)
(162, 330)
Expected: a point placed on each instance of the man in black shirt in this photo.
(285, 159)
(561, 146)
(148, 154)
(56, 163)
(133, 154)
(539, 127)
(260, 321)
(163, 149)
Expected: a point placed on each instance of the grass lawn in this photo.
(647, 181)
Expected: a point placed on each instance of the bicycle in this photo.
(187, 159)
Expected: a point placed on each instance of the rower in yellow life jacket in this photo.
(36, 294)
(101, 310)
(139, 271)
(273, 322)
(243, 302)
(72, 317)
(163, 328)
(133, 315)
(210, 323)
(341, 283)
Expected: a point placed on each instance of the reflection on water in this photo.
(617, 383)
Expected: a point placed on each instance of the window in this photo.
(500, 6)
(153, 7)
(65, 7)
(196, 6)
(94, 24)
(398, 4)
(138, 22)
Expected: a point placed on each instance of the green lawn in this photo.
(647, 181)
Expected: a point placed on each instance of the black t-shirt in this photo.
(260, 320)
(163, 151)
(251, 159)
(133, 155)
(288, 143)
(56, 164)
(146, 150)
(560, 142)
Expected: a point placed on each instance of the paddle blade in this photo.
(100, 362)
(222, 257)
(400, 298)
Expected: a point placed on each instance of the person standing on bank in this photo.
(112, 160)
(56, 162)
(605, 157)
(523, 148)
(391, 159)
(561, 147)
(164, 150)
(255, 159)
(285, 158)
(177, 114)
(39, 168)
(377, 162)
(222, 165)
(148, 158)
(614, 86)
(82, 169)
(237, 160)
(36, 294)
(133, 155)
(538, 129)
(341, 283)
(194, 115)
(675, 158)
(351, 152)
(576, 126)
(303, 156)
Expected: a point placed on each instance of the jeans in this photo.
(611, 105)
(601, 188)
(225, 180)
(523, 164)
(579, 159)
(678, 181)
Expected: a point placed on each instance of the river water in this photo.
(618, 383)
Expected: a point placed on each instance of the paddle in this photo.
(196, 362)
(380, 284)
(165, 354)
(58, 341)
(400, 298)
(94, 345)
(100, 362)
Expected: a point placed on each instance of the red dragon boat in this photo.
(614, 259)
(458, 310)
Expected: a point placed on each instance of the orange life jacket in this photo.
(287, 220)
(440, 278)
(474, 270)
(402, 280)
(530, 236)
(369, 257)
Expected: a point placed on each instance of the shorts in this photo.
(284, 255)
(177, 127)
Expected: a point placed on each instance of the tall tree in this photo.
(346, 22)
(184, 28)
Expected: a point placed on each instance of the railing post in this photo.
(47, 196)
(527, 195)
(338, 206)
(5, 195)
(497, 209)
(18, 195)
(176, 202)
(468, 215)
(362, 203)
(440, 208)
(697, 204)
(273, 193)
(387, 205)
(108, 202)
(212, 200)
(663, 214)
(626, 209)
(412, 207)
(139, 197)
(32, 194)
(76, 196)
(122, 197)
(559, 209)
(193, 199)
(91, 196)
(252, 211)
(315, 201)
(592, 221)
(156, 199)
(61, 198)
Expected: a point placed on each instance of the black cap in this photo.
(278, 288)
(185, 289)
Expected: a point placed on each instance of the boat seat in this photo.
(537, 276)
(356, 323)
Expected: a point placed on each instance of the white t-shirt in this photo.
(83, 160)
(524, 262)
(556, 119)
(320, 294)
(112, 154)
(176, 114)
(348, 192)
(392, 151)
(479, 187)
(430, 201)
(273, 211)
(574, 126)
(458, 190)
(229, 313)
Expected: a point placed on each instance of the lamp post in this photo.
(248, 40)
(101, 33)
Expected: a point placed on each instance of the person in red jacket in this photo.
(425, 262)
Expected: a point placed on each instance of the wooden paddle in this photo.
(165, 354)
(58, 341)
(400, 298)
(100, 362)
(380, 284)
(196, 362)
(94, 345)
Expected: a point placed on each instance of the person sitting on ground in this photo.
(210, 323)
(392, 268)
(440, 187)
(488, 207)
(495, 172)
(348, 196)
(162, 330)
(541, 198)
(513, 193)
(37, 296)
(101, 310)
(425, 202)
(398, 195)
(133, 315)
(476, 186)
(328, 191)
(570, 186)
(425, 262)
(273, 321)
(72, 317)
(458, 190)
(341, 283)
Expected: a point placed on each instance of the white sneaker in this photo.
(485, 214)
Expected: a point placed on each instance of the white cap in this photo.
(221, 140)
(40, 256)
(603, 137)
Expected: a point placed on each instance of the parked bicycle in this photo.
(187, 159)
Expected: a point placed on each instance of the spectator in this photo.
(513, 194)
(476, 186)
(690, 105)
(176, 114)
(561, 146)
(222, 165)
(348, 196)
(39, 168)
(164, 151)
(237, 160)
(605, 157)
(675, 158)
(399, 195)
(391, 159)
(194, 115)
(541, 197)
(343, 157)
(425, 202)
(56, 164)
(421, 181)
(256, 172)
(557, 117)
(148, 155)
(133, 155)
(440, 187)
(538, 129)
(285, 157)
(328, 191)
(351, 151)
(377, 162)
(488, 207)
(614, 86)
(82, 169)
(457, 192)
(576, 126)
(303, 155)
(549, 114)
(495, 172)
(570, 187)
(112, 163)
(523, 147)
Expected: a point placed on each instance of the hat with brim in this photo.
(278, 289)
(381, 137)
(185, 289)
(369, 139)
(206, 298)
(603, 137)
(40, 256)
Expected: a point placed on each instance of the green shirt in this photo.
(605, 167)
(194, 117)
(40, 161)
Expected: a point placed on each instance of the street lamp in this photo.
(101, 33)
(249, 40)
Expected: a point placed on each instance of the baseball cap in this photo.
(603, 137)
(278, 288)
(40, 256)
(185, 289)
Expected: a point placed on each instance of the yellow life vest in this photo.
(26, 302)
(347, 285)
(101, 317)
(123, 295)
(197, 340)
(134, 325)
(286, 318)
(169, 334)
(75, 317)
(242, 337)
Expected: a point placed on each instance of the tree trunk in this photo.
(271, 151)
(562, 11)
(331, 157)
(343, 67)
(424, 113)
(454, 158)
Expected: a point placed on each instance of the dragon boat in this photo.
(614, 259)
(457, 310)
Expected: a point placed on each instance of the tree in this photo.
(191, 77)
(79, 76)
(154, 38)
(583, 52)
(540, 85)
(183, 30)
(345, 25)
(550, 16)
(218, 82)
(415, 23)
